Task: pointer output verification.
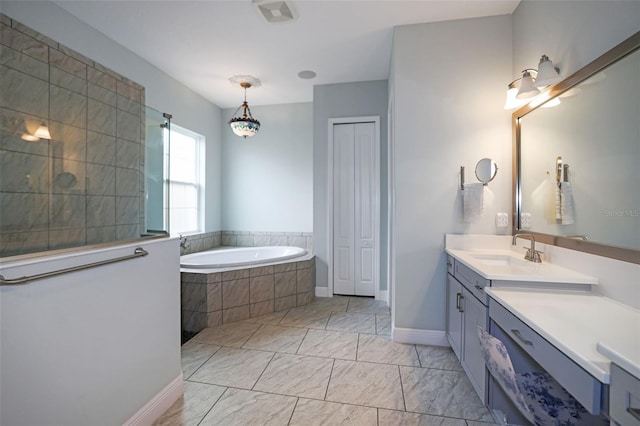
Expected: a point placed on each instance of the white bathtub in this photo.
(226, 258)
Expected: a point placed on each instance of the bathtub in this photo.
(242, 256)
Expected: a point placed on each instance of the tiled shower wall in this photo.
(84, 186)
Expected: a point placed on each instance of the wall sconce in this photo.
(520, 90)
(35, 131)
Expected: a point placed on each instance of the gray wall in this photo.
(449, 82)
(335, 101)
(163, 93)
(268, 178)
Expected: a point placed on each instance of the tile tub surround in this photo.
(209, 240)
(290, 368)
(210, 299)
(83, 186)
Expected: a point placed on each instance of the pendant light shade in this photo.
(511, 101)
(527, 89)
(244, 125)
(547, 73)
(42, 131)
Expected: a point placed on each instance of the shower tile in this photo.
(68, 176)
(193, 297)
(20, 172)
(239, 368)
(313, 412)
(23, 63)
(67, 63)
(23, 212)
(368, 306)
(285, 284)
(101, 179)
(357, 323)
(101, 79)
(101, 148)
(284, 303)
(67, 211)
(439, 357)
(68, 81)
(12, 126)
(101, 94)
(127, 182)
(34, 34)
(214, 296)
(235, 293)
(67, 107)
(23, 242)
(127, 154)
(25, 44)
(234, 334)
(363, 383)
(128, 105)
(261, 288)
(102, 117)
(127, 232)
(68, 141)
(278, 240)
(383, 324)
(261, 308)
(296, 241)
(330, 344)
(393, 418)
(101, 211)
(276, 338)
(235, 314)
(128, 126)
(296, 375)
(127, 210)
(64, 238)
(304, 282)
(301, 317)
(190, 408)
(102, 234)
(303, 299)
(194, 354)
(128, 91)
(381, 349)
(241, 407)
(264, 270)
(228, 240)
(24, 93)
(261, 240)
(244, 241)
(442, 393)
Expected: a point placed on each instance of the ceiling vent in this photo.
(275, 11)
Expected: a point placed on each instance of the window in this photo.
(185, 182)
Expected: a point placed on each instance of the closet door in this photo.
(354, 217)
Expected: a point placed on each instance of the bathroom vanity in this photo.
(549, 318)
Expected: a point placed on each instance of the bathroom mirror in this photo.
(590, 121)
(486, 170)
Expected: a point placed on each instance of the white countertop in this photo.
(517, 269)
(592, 330)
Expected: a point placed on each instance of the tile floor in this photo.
(329, 363)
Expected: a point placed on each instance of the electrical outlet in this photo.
(502, 220)
(525, 220)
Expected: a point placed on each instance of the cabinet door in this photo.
(454, 315)
(475, 314)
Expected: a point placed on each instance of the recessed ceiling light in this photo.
(307, 74)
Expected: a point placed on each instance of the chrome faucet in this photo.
(532, 254)
(184, 245)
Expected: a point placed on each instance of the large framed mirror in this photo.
(576, 159)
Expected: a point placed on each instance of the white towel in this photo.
(566, 203)
(558, 202)
(472, 201)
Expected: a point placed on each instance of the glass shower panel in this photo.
(157, 125)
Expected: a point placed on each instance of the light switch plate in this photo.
(502, 220)
(525, 220)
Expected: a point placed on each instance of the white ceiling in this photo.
(203, 43)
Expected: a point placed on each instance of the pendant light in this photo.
(244, 125)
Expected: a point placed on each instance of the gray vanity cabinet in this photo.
(466, 310)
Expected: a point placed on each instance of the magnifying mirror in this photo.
(486, 170)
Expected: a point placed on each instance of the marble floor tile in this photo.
(331, 344)
(353, 322)
(476, 423)
(334, 304)
(307, 318)
(276, 339)
(270, 319)
(438, 357)
(441, 393)
(296, 375)
(309, 412)
(195, 354)
(363, 383)
(189, 409)
(239, 368)
(395, 418)
(382, 349)
(383, 324)
(233, 334)
(241, 408)
(368, 306)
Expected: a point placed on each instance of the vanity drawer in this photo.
(624, 397)
(473, 281)
(578, 382)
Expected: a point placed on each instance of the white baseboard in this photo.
(160, 403)
(322, 291)
(383, 295)
(419, 337)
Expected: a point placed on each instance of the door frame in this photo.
(353, 120)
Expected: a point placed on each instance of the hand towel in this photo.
(472, 201)
(558, 202)
(566, 203)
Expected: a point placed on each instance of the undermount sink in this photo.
(499, 260)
